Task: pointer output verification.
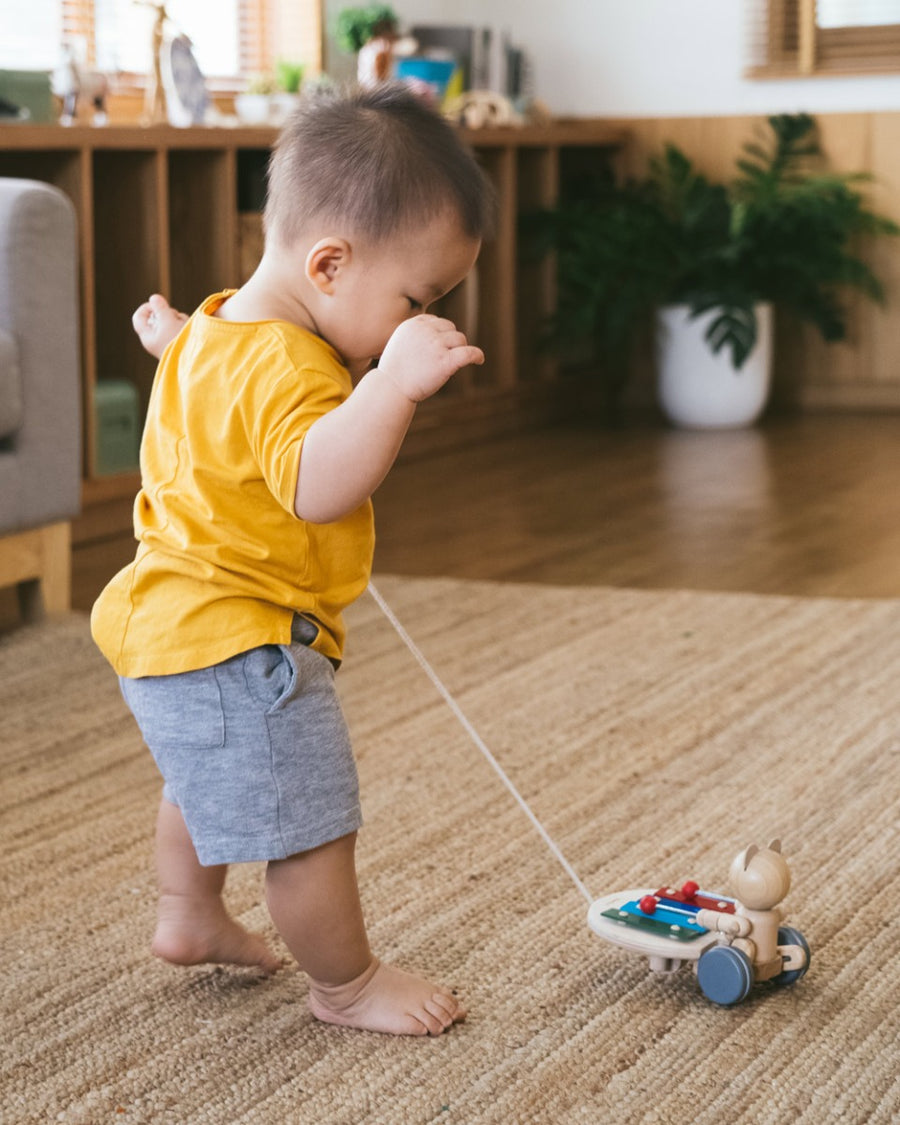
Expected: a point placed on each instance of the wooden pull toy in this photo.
(735, 942)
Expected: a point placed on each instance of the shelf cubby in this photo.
(178, 211)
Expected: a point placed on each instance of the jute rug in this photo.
(654, 735)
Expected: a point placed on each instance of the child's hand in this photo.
(423, 353)
(157, 324)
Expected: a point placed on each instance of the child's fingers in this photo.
(141, 316)
(462, 352)
(439, 323)
(466, 354)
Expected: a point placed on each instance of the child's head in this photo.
(376, 163)
(375, 210)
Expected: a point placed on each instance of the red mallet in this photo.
(689, 889)
(648, 904)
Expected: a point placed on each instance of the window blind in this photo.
(232, 39)
(821, 37)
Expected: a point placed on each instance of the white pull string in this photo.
(477, 739)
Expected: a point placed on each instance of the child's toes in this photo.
(437, 1014)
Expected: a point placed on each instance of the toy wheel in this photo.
(725, 975)
(787, 935)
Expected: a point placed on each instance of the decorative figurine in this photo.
(98, 92)
(65, 83)
(481, 109)
(734, 942)
(155, 100)
(186, 98)
(375, 60)
(75, 86)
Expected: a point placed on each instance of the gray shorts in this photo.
(254, 751)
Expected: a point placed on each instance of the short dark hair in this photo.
(380, 160)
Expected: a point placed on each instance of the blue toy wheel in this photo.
(787, 935)
(724, 974)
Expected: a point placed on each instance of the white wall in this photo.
(653, 58)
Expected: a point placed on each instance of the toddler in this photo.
(254, 527)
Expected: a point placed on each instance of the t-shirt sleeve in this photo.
(284, 402)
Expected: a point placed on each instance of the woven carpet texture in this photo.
(654, 734)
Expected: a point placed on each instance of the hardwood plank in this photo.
(802, 506)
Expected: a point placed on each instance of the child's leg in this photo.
(157, 324)
(193, 926)
(314, 902)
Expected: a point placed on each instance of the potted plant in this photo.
(712, 259)
(270, 98)
(254, 105)
(356, 26)
(370, 34)
(288, 80)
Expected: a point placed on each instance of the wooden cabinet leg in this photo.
(39, 563)
(56, 580)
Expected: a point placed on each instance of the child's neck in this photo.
(267, 296)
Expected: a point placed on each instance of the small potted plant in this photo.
(271, 97)
(711, 260)
(288, 80)
(369, 33)
(254, 106)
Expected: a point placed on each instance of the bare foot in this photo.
(157, 324)
(198, 931)
(386, 999)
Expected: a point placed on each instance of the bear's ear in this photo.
(775, 846)
(748, 855)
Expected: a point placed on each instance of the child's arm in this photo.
(348, 452)
(157, 324)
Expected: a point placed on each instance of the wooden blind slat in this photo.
(78, 24)
(784, 37)
(268, 30)
(806, 36)
(252, 36)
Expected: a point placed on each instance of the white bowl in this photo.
(253, 109)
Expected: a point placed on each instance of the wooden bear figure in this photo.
(760, 879)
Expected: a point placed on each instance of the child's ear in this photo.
(325, 261)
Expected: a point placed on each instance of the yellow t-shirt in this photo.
(223, 562)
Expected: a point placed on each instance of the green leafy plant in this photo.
(289, 75)
(356, 26)
(784, 230)
(262, 84)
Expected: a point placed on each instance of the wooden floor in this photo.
(806, 506)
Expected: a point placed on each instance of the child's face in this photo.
(378, 287)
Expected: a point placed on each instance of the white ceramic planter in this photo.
(282, 106)
(265, 109)
(253, 109)
(702, 390)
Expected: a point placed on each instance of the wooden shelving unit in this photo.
(177, 211)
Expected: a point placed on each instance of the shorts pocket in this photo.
(270, 673)
(177, 712)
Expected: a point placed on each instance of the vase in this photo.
(253, 109)
(701, 389)
(282, 105)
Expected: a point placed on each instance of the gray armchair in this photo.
(40, 426)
